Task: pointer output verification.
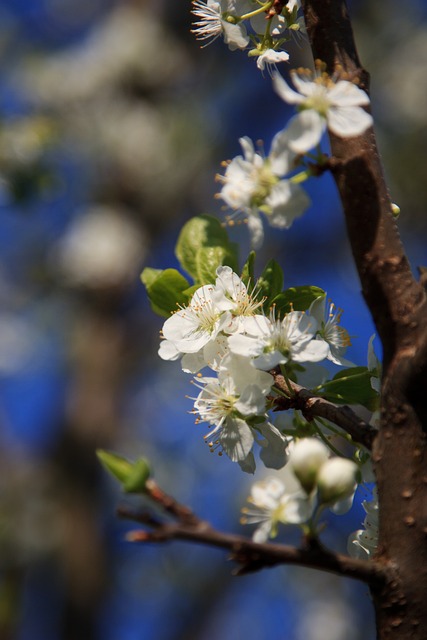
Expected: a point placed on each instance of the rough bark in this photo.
(399, 307)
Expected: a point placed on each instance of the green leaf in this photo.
(351, 386)
(248, 275)
(208, 259)
(296, 299)
(270, 283)
(198, 233)
(149, 275)
(118, 466)
(132, 475)
(136, 480)
(166, 290)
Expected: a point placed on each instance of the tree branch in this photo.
(396, 300)
(311, 406)
(398, 304)
(251, 556)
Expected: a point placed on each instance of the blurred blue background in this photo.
(113, 124)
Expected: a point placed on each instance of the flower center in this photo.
(264, 180)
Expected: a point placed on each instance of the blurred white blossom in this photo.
(102, 248)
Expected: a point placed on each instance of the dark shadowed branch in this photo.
(312, 406)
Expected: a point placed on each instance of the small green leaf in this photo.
(136, 480)
(118, 466)
(270, 283)
(149, 275)
(166, 291)
(351, 386)
(131, 475)
(296, 299)
(248, 275)
(201, 232)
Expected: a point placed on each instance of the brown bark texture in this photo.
(398, 305)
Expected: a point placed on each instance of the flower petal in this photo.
(236, 439)
(287, 94)
(348, 122)
(305, 131)
(346, 94)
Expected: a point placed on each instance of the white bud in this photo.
(306, 459)
(337, 479)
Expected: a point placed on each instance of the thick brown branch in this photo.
(312, 406)
(398, 304)
(394, 297)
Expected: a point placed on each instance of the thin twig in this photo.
(254, 556)
(313, 406)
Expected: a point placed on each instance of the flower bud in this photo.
(306, 459)
(337, 479)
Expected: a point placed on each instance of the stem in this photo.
(300, 177)
(262, 9)
(326, 441)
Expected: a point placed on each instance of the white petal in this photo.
(267, 493)
(256, 230)
(251, 401)
(268, 361)
(305, 86)
(168, 351)
(246, 346)
(192, 362)
(274, 449)
(346, 94)
(288, 201)
(284, 90)
(248, 464)
(296, 509)
(313, 351)
(235, 35)
(236, 439)
(348, 122)
(271, 57)
(305, 130)
(281, 155)
(247, 148)
(261, 534)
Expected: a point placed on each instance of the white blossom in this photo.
(271, 505)
(231, 294)
(224, 402)
(252, 183)
(271, 57)
(271, 342)
(322, 103)
(363, 543)
(102, 248)
(215, 19)
(192, 327)
(330, 330)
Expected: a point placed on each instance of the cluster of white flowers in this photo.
(253, 183)
(223, 328)
(314, 481)
(231, 20)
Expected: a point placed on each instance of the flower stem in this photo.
(262, 8)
